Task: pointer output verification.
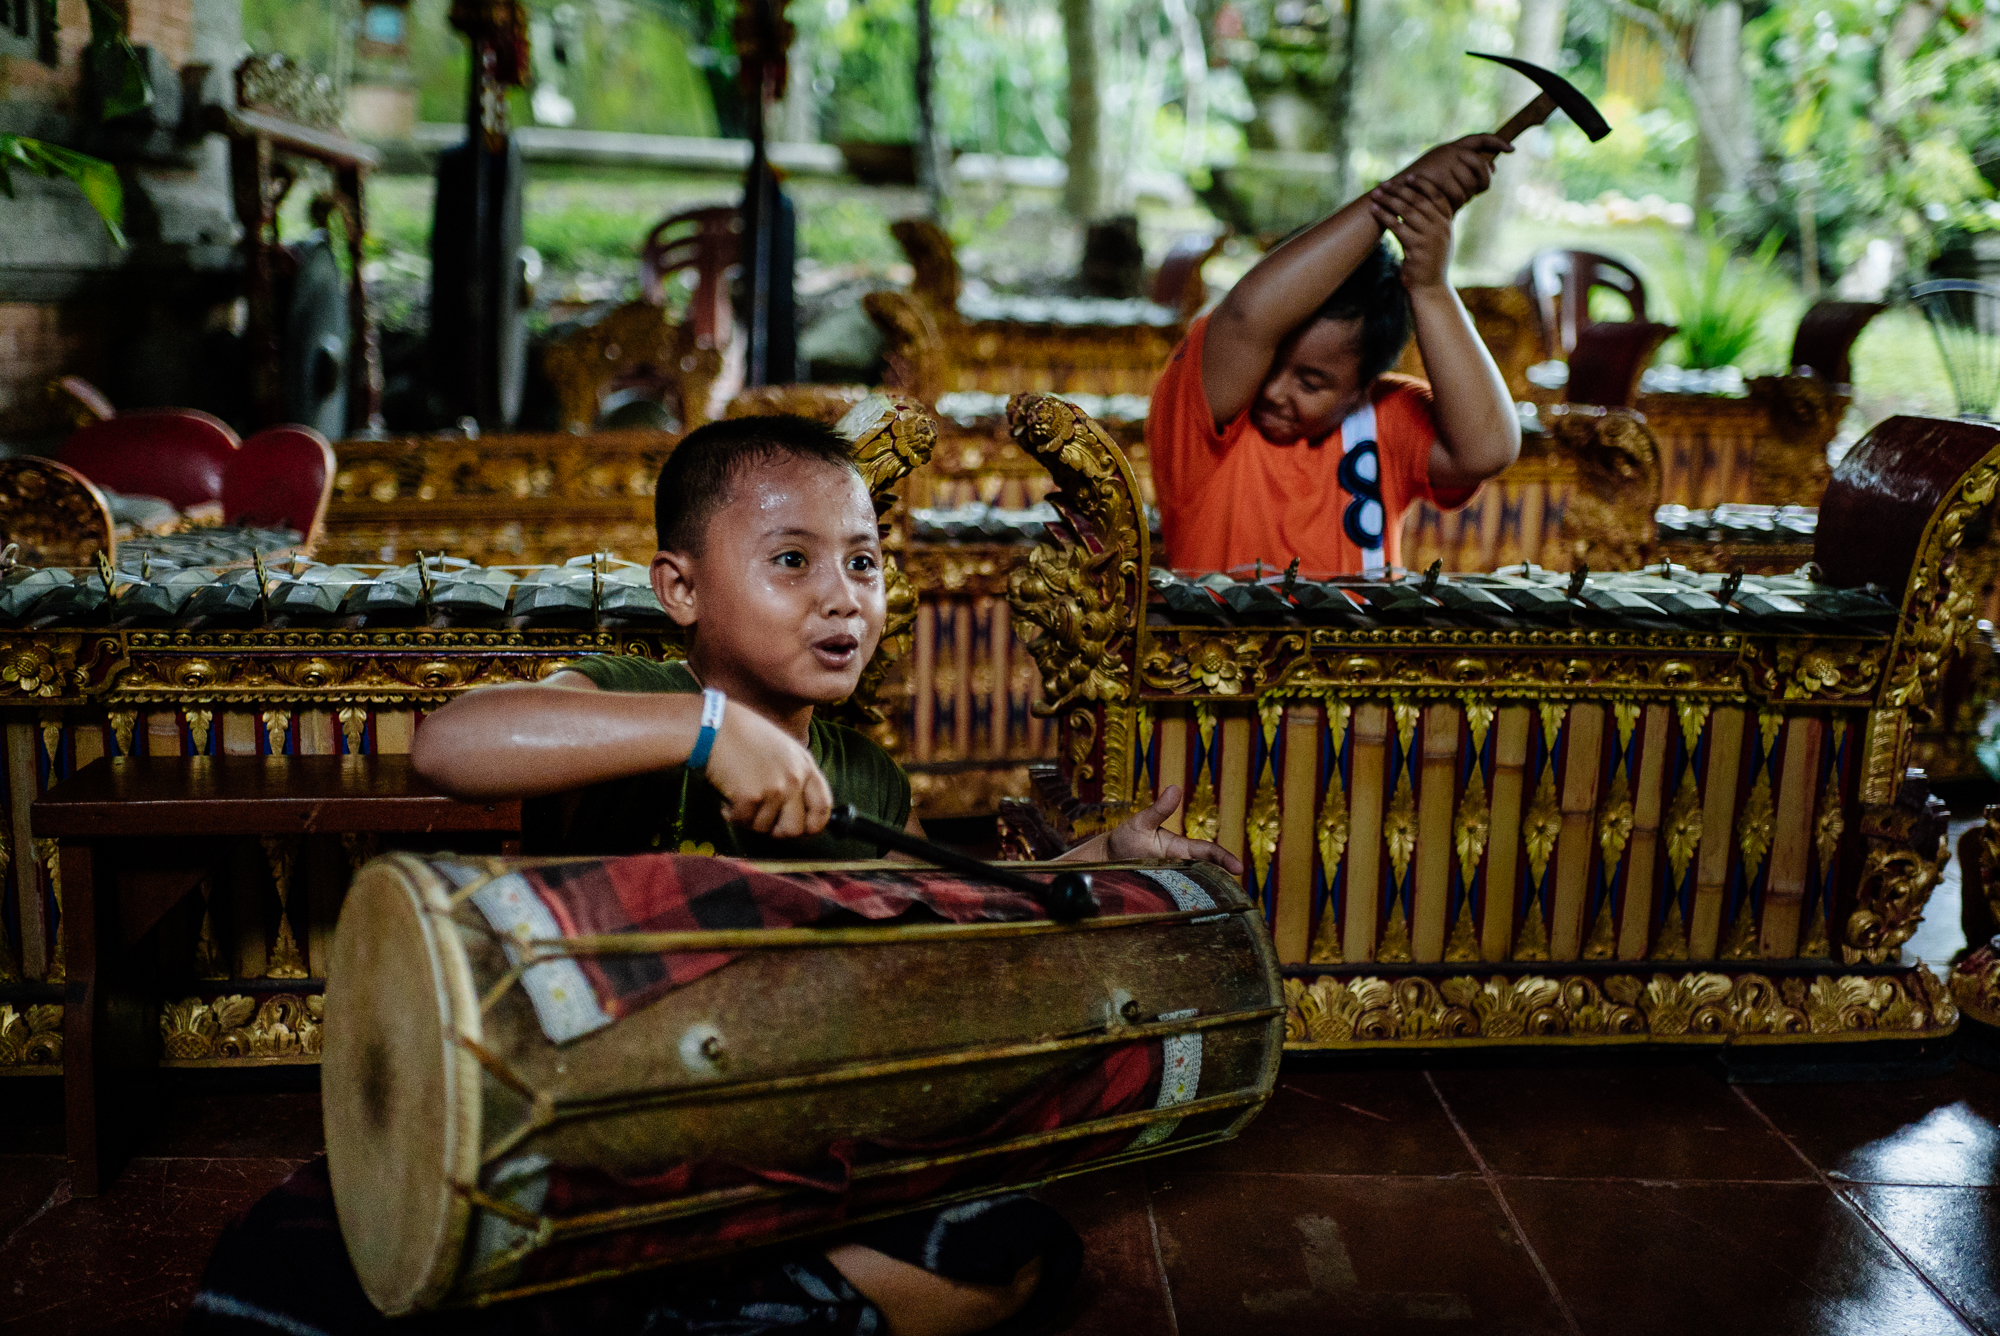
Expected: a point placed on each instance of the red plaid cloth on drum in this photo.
(851, 1176)
(1122, 1079)
(689, 893)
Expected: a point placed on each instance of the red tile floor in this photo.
(1620, 1199)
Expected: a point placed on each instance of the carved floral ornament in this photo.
(1975, 985)
(1339, 1012)
(1889, 903)
(1077, 602)
(1975, 979)
(893, 437)
(1820, 670)
(30, 669)
(31, 1036)
(280, 667)
(240, 668)
(238, 676)
(972, 571)
(51, 665)
(282, 1027)
(1187, 662)
(1939, 610)
(1562, 665)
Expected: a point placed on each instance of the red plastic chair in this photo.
(1609, 358)
(176, 454)
(1824, 344)
(1178, 282)
(281, 478)
(708, 241)
(1559, 282)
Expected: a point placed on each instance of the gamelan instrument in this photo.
(542, 1072)
(1637, 806)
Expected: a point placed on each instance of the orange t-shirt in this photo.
(1230, 498)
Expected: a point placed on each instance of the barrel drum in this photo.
(822, 1077)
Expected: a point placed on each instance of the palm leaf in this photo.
(1718, 300)
(96, 178)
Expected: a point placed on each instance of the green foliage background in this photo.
(633, 65)
(1874, 145)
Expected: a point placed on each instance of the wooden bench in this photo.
(137, 835)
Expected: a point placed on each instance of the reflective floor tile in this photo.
(1122, 1289)
(1943, 1130)
(1952, 1235)
(1335, 1123)
(1679, 1122)
(1359, 1256)
(1773, 1259)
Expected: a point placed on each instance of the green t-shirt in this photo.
(675, 811)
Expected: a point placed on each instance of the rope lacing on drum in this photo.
(507, 1211)
(495, 1066)
(500, 986)
(492, 868)
(549, 1111)
(541, 1232)
(524, 951)
(524, 955)
(542, 1106)
(702, 1203)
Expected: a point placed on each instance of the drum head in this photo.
(401, 1100)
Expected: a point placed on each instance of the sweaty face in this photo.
(787, 596)
(1315, 382)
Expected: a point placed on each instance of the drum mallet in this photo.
(1558, 94)
(1065, 897)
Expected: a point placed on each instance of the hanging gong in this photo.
(314, 351)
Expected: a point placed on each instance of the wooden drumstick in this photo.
(1065, 898)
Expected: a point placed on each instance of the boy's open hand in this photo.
(767, 778)
(1420, 216)
(1461, 169)
(1140, 837)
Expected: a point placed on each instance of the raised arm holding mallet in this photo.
(1277, 430)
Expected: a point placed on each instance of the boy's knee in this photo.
(916, 1302)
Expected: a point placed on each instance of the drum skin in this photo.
(766, 1061)
(402, 1099)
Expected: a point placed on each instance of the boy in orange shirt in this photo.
(1276, 433)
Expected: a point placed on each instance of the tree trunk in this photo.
(1913, 20)
(796, 115)
(1342, 111)
(1538, 35)
(1194, 81)
(933, 161)
(1718, 68)
(1084, 195)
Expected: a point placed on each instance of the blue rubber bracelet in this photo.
(712, 702)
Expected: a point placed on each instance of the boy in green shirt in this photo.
(771, 558)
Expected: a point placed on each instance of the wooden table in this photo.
(137, 834)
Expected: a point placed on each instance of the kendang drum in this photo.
(545, 1072)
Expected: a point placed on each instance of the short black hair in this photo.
(1374, 295)
(694, 482)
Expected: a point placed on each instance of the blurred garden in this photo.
(1763, 155)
